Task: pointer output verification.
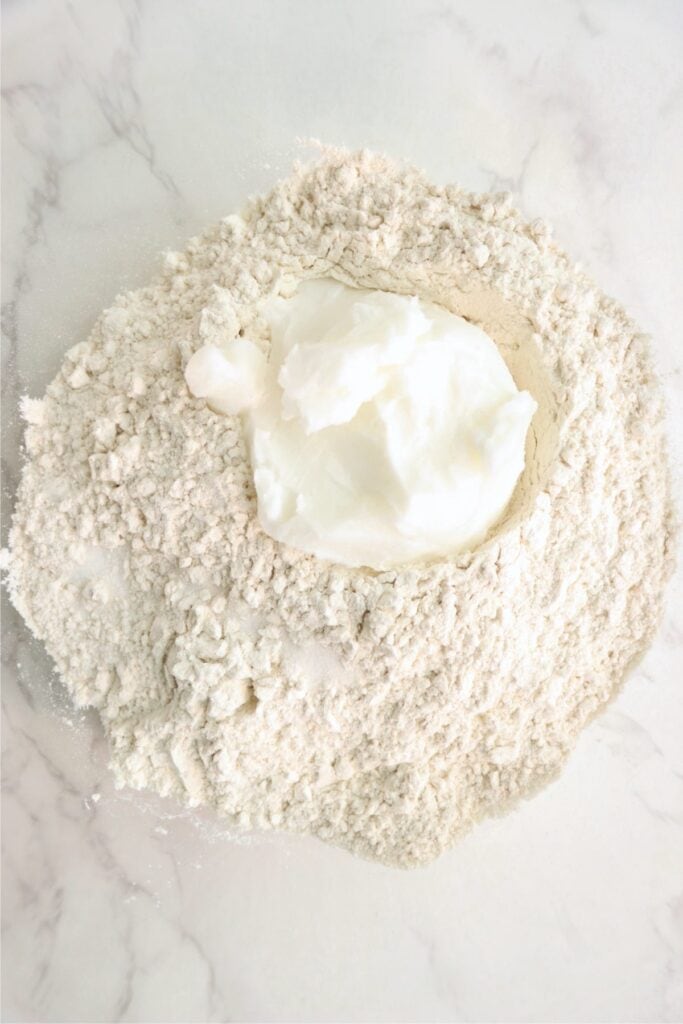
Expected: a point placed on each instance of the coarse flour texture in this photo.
(382, 712)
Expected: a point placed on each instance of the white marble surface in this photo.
(130, 124)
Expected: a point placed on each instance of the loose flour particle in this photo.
(383, 712)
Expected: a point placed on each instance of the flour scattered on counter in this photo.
(382, 711)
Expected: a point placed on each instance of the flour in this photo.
(384, 712)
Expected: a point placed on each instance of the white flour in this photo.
(382, 712)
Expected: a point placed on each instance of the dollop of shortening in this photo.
(383, 430)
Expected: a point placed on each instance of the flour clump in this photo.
(384, 711)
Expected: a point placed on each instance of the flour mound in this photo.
(382, 712)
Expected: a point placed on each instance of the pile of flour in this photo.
(382, 712)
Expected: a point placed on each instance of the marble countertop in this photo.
(129, 125)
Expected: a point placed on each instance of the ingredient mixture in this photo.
(388, 430)
(384, 711)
